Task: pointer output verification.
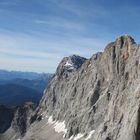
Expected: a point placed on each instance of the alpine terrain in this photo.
(87, 99)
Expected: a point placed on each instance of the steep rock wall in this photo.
(102, 95)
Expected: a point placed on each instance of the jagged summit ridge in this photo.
(125, 39)
(75, 60)
(117, 55)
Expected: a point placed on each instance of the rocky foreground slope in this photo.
(94, 99)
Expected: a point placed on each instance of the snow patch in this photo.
(68, 64)
(71, 68)
(78, 136)
(71, 138)
(60, 127)
(90, 135)
(50, 120)
(89, 65)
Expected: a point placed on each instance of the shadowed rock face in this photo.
(19, 123)
(101, 94)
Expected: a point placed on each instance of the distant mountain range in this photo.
(10, 75)
(16, 88)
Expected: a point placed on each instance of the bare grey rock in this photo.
(101, 94)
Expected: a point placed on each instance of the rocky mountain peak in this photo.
(121, 43)
(117, 55)
(69, 64)
(124, 40)
(76, 60)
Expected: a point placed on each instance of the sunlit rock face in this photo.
(96, 98)
(103, 95)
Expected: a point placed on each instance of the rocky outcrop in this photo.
(98, 98)
(21, 119)
(69, 65)
(20, 122)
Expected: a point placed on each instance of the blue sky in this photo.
(36, 34)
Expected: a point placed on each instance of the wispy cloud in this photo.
(61, 24)
(81, 9)
(22, 48)
(44, 31)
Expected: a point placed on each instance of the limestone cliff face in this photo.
(99, 95)
(102, 95)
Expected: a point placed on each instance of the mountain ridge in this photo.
(15, 89)
(100, 100)
(10, 75)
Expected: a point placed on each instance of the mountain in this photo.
(98, 99)
(15, 89)
(15, 95)
(10, 75)
(35, 84)
(69, 64)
